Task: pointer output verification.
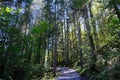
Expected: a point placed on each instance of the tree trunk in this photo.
(55, 44)
(88, 28)
(67, 45)
(116, 9)
(79, 40)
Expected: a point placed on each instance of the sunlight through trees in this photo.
(37, 37)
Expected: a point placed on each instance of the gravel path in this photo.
(68, 74)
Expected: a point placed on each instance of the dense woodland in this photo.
(37, 36)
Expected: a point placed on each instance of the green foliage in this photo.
(22, 56)
(35, 71)
(24, 72)
(78, 4)
(16, 65)
(41, 28)
(114, 26)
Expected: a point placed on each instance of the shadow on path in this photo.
(68, 74)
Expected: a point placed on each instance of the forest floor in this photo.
(67, 74)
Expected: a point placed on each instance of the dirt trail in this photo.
(68, 74)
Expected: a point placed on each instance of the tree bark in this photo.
(79, 40)
(55, 44)
(116, 9)
(88, 28)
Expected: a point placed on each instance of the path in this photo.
(68, 74)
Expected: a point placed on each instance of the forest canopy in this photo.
(39, 36)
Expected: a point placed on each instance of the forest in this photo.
(59, 39)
